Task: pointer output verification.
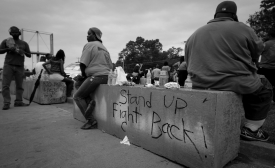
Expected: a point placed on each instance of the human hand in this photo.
(79, 78)
(11, 49)
(21, 52)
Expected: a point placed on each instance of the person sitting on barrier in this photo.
(95, 65)
(56, 71)
(222, 55)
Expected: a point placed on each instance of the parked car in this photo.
(73, 69)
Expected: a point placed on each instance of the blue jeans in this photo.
(10, 71)
(83, 95)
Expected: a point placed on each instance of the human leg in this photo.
(83, 93)
(6, 81)
(18, 75)
(69, 86)
(256, 107)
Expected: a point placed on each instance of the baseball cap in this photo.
(97, 32)
(227, 7)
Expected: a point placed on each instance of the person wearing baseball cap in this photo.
(95, 65)
(222, 55)
(15, 50)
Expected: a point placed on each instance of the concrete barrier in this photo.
(192, 127)
(48, 92)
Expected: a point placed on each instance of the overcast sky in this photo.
(170, 21)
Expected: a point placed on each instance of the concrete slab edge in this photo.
(260, 152)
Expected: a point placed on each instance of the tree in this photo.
(264, 20)
(140, 51)
(174, 52)
(147, 52)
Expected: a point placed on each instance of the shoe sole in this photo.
(253, 139)
(21, 106)
(92, 126)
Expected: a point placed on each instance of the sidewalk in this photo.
(47, 136)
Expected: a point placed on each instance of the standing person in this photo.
(95, 65)
(156, 73)
(182, 72)
(137, 73)
(56, 71)
(166, 68)
(267, 63)
(15, 50)
(221, 56)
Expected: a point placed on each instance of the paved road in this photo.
(47, 136)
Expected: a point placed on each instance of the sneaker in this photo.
(19, 104)
(259, 135)
(6, 107)
(89, 125)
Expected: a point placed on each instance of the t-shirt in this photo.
(220, 56)
(166, 68)
(96, 58)
(156, 72)
(56, 66)
(268, 55)
(183, 66)
(13, 57)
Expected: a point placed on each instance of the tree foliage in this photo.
(147, 52)
(263, 20)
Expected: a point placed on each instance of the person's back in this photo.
(97, 63)
(55, 66)
(156, 72)
(223, 53)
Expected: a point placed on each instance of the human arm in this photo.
(255, 46)
(82, 68)
(140, 71)
(4, 48)
(45, 67)
(27, 51)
